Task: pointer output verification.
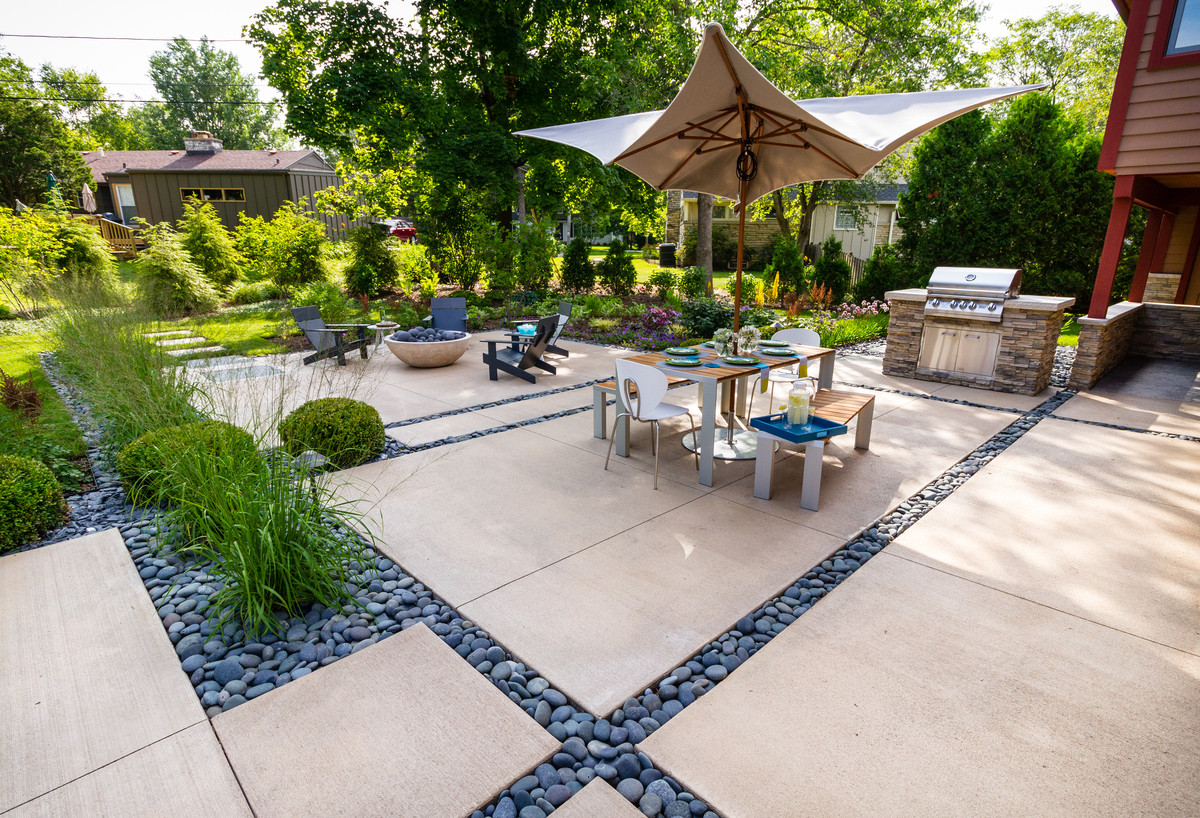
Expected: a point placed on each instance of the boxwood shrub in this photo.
(31, 501)
(146, 464)
(346, 431)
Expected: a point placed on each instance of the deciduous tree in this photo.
(1077, 53)
(205, 90)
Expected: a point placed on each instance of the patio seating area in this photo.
(1026, 637)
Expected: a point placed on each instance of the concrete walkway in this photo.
(98, 718)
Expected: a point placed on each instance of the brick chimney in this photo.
(202, 142)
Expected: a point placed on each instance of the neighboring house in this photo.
(1152, 147)
(860, 241)
(153, 185)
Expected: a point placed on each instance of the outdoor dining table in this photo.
(709, 378)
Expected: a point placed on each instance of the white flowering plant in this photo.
(723, 342)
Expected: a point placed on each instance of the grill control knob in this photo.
(992, 307)
(933, 302)
(972, 305)
(956, 303)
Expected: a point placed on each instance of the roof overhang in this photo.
(1123, 8)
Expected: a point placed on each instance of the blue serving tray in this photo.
(817, 428)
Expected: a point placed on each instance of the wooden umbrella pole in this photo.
(737, 292)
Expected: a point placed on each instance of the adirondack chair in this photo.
(563, 316)
(517, 361)
(448, 313)
(329, 340)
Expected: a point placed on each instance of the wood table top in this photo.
(727, 372)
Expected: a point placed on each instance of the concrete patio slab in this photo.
(606, 622)
(1134, 464)
(857, 487)
(428, 431)
(1153, 378)
(676, 463)
(908, 691)
(1117, 560)
(868, 370)
(1154, 414)
(184, 775)
(598, 800)
(1004, 400)
(538, 407)
(436, 737)
(944, 428)
(531, 502)
(89, 674)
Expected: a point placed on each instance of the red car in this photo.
(403, 229)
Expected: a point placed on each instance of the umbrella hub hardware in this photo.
(747, 162)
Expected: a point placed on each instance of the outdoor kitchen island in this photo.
(972, 327)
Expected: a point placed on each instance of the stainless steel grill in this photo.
(976, 293)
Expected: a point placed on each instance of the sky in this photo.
(122, 65)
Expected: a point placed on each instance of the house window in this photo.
(843, 218)
(1185, 28)
(213, 194)
(720, 212)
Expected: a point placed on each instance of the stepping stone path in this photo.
(188, 343)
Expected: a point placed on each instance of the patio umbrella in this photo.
(730, 132)
(87, 199)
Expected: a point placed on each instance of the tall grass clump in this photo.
(132, 386)
(276, 540)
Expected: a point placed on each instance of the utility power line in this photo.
(139, 84)
(161, 101)
(122, 39)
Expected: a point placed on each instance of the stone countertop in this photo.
(1029, 303)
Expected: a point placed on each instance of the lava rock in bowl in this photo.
(425, 347)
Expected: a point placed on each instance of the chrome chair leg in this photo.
(613, 437)
(654, 445)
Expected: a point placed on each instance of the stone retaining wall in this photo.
(1168, 331)
(1103, 343)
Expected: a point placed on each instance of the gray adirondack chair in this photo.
(330, 340)
(519, 356)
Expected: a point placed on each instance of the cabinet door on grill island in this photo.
(939, 348)
(977, 353)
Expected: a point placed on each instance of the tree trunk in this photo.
(780, 216)
(704, 250)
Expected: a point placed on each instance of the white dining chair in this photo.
(784, 374)
(641, 388)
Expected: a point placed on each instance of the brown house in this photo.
(153, 185)
(1152, 147)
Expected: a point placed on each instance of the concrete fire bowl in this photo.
(428, 354)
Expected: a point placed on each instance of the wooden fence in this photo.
(815, 251)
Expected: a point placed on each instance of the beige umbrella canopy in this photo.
(87, 199)
(730, 132)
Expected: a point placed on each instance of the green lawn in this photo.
(1069, 337)
(53, 438)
